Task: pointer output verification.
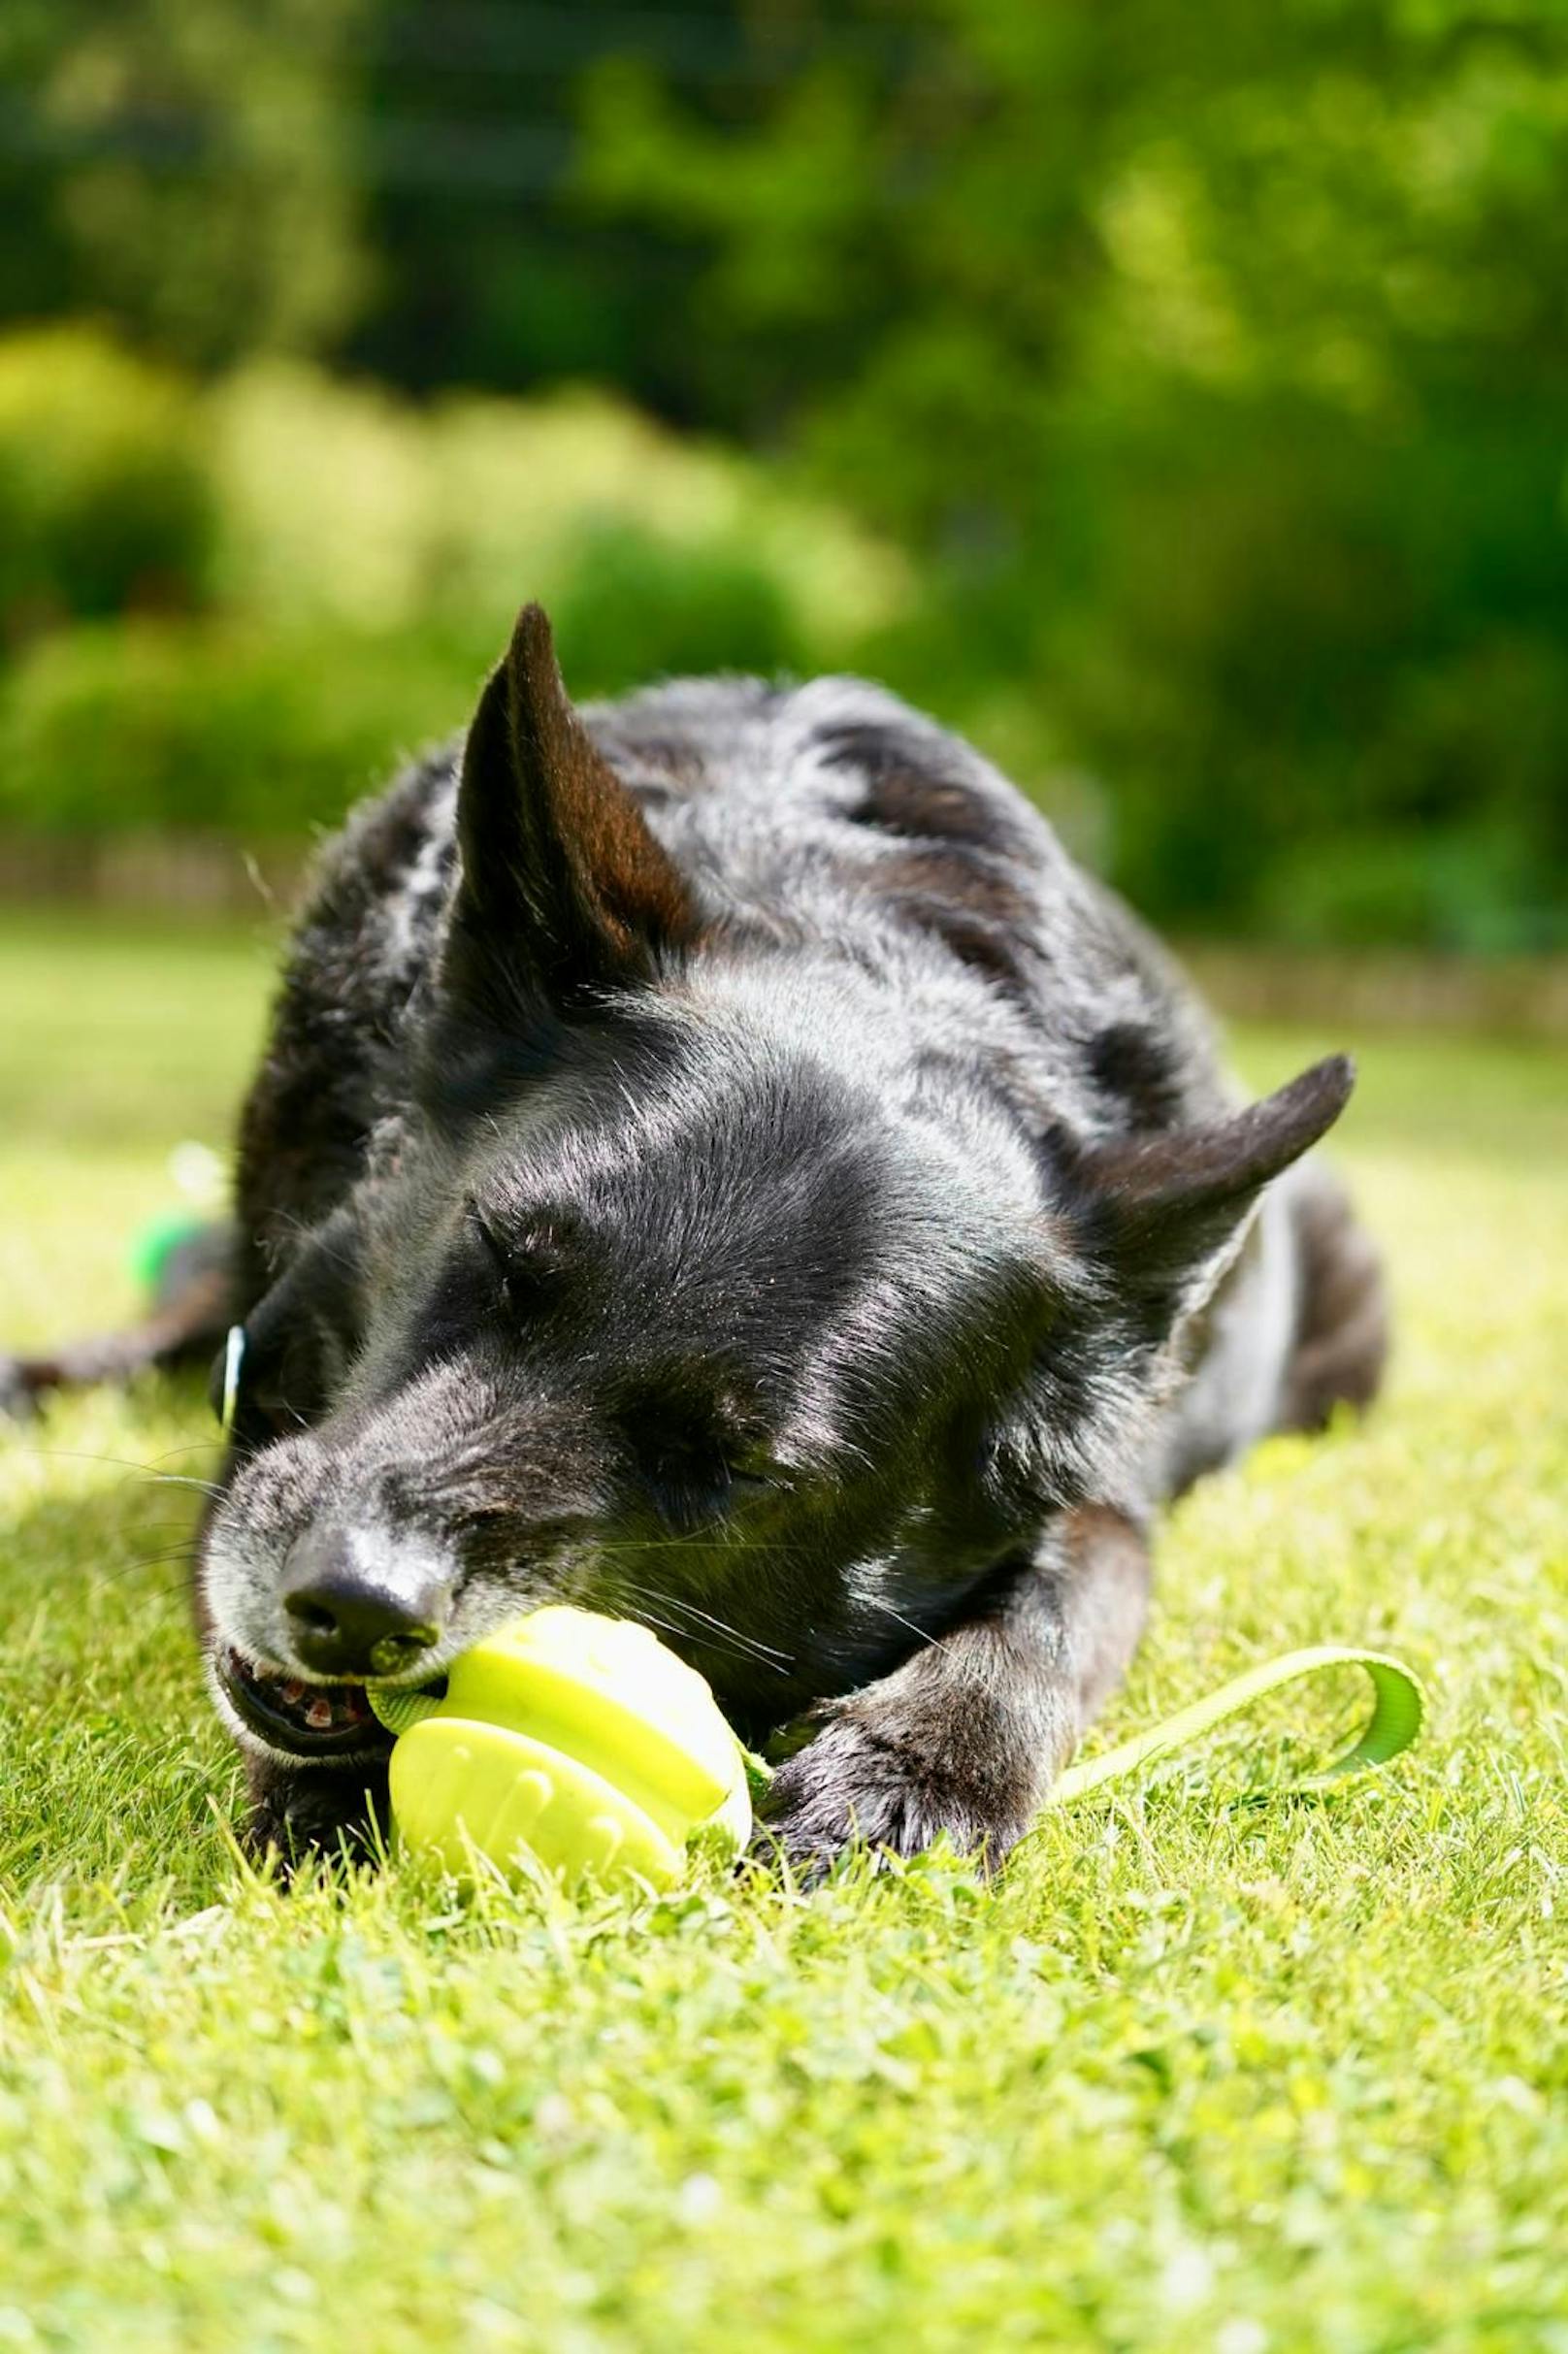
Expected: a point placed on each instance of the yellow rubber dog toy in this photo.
(579, 1739)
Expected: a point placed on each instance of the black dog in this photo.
(717, 1161)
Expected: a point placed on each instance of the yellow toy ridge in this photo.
(580, 1739)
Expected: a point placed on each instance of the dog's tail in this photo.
(191, 1292)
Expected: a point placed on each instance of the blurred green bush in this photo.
(1212, 362)
(106, 503)
(1269, 681)
(350, 566)
(216, 728)
(1172, 398)
(342, 504)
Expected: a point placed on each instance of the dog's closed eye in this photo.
(530, 1255)
(698, 1457)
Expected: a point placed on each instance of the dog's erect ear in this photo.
(1165, 1207)
(561, 887)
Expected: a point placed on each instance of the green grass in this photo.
(1192, 2077)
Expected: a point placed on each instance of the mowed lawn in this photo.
(1194, 2075)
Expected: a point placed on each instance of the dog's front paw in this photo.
(876, 1775)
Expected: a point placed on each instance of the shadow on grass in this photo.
(110, 1757)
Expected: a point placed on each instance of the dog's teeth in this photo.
(319, 1716)
(293, 1690)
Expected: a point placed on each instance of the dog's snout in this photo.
(346, 1617)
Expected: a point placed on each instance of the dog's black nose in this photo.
(346, 1619)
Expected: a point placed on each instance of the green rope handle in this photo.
(401, 1708)
(1397, 1705)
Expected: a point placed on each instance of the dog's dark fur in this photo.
(717, 1161)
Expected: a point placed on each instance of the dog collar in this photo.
(234, 1349)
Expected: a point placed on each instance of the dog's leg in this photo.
(186, 1325)
(1341, 1343)
(300, 1814)
(967, 1736)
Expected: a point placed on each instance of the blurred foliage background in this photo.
(1175, 399)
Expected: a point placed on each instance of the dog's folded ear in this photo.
(301, 1334)
(561, 887)
(1165, 1207)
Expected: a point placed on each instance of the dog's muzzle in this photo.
(309, 1720)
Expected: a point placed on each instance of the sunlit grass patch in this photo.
(1193, 2077)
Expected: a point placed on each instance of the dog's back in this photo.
(835, 822)
(830, 819)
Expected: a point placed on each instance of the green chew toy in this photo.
(583, 1742)
(579, 1738)
(155, 1244)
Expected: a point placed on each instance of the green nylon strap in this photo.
(1397, 1703)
